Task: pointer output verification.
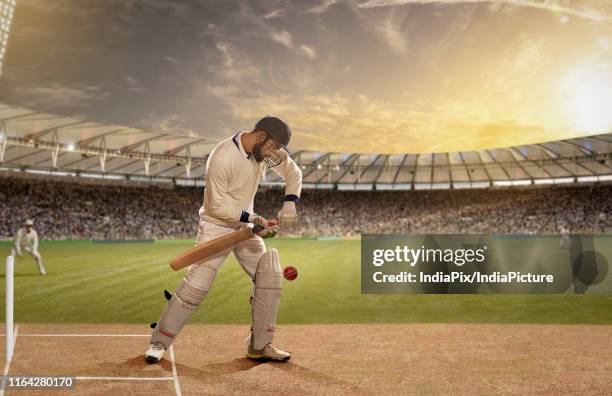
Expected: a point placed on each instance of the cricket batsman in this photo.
(233, 172)
(27, 239)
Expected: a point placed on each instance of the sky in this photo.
(369, 76)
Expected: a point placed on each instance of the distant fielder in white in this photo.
(27, 239)
(233, 172)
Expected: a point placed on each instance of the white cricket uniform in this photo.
(28, 241)
(232, 179)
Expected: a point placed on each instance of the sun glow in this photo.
(588, 99)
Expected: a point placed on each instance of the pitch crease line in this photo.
(85, 335)
(177, 385)
(8, 364)
(124, 378)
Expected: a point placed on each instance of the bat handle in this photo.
(257, 228)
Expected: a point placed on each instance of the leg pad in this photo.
(182, 304)
(266, 299)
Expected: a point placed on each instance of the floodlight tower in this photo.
(6, 17)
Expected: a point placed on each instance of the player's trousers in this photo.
(247, 253)
(199, 279)
(36, 255)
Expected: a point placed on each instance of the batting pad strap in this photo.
(268, 287)
(174, 317)
(292, 198)
(183, 303)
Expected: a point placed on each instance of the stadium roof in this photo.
(36, 142)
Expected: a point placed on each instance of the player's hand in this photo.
(270, 229)
(288, 215)
(258, 220)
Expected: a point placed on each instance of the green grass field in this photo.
(124, 283)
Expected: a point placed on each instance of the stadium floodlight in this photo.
(70, 147)
(6, 17)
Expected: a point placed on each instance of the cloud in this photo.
(132, 84)
(335, 122)
(530, 55)
(309, 51)
(391, 30)
(58, 95)
(451, 35)
(385, 79)
(236, 69)
(584, 11)
(176, 62)
(254, 25)
(274, 14)
(321, 7)
(467, 115)
(231, 74)
(169, 123)
(398, 27)
(282, 37)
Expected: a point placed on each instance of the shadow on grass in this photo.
(33, 274)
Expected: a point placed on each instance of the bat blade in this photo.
(212, 247)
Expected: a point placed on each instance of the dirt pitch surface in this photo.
(358, 359)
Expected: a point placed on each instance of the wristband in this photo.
(292, 197)
(245, 216)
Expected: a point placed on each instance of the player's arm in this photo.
(292, 175)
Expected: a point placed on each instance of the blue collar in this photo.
(239, 146)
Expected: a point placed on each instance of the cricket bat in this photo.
(214, 246)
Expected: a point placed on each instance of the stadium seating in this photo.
(72, 210)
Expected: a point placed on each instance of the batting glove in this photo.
(288, 215)
(270, 228)
(269, 231)
(258, 220)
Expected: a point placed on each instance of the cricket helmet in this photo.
(277, 130)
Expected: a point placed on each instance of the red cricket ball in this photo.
(290, 273)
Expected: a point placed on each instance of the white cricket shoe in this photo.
(155, 353)
(268, 353)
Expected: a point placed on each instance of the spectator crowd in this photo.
(72, 210)
(69, 210)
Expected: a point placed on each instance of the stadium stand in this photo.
(81, 179)
(71, 210)
(35, 142)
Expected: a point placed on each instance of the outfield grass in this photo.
(124, 283)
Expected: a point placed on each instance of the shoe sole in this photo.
(151, 359)
(263, 358)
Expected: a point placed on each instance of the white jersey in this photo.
(232, 179)
(25, 239)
